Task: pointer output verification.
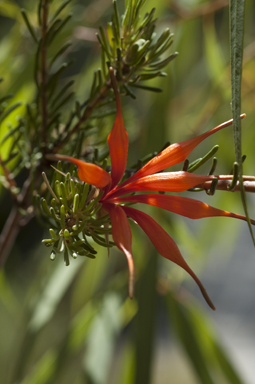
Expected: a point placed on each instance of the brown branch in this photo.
(10, 182)
(14, 222)
(224, 182)
(9, 234)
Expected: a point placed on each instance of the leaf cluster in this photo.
(131, 46)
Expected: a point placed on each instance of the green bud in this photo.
(76, 203)
(66, 234)
(63, 193)
(53, 234)
(63, 216)
(45, 207)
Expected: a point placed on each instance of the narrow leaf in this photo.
(62, 6)
(146, 87)
(62, 50)
(8, 111)
(237, 9)
(29, 26)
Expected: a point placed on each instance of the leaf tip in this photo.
(207, 298)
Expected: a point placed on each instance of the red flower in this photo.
(148, 178)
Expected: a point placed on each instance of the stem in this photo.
(44, 71)
(223, 185)
(9, 234)
(15, 221)
(11, 183)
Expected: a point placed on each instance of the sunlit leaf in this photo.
(102, 338)
(200, 343)
(54, 290)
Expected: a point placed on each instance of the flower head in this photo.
(148, 178)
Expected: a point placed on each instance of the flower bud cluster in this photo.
(73, 215)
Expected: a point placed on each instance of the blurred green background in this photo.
(76, 324)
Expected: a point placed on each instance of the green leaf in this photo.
(148, 18)
(146, 318)
(200, 342)
(9, 134)
(54, 78)
(80, 325)
(61, 25)
(197, 163)
(6, 98)
(8, 111)
(60, 9)
(145, 87)
(129, 92)
(54, 290)
(116, 20)
(39, 8)
(163, 63)
(185, 331)
(164, 37)
(43, 370)
(10, 9)
(237, 8)
(102, 335)
(29, 26)
(65, 100)
(62, 92)
(103, 41)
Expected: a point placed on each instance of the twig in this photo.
(224, 182)
(11, 183)
(9, 234)
(14, 222)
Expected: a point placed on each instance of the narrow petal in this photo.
(87, 172)
(164, 244)
(118, 144)
(175, 153)
(122, 237)
(165, 181)
(184, 206)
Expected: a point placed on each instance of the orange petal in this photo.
(118, 144)
(87, 172)
(165, 181)
(184, 206)
(175, 153)
(164, 244)
(122, 237)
